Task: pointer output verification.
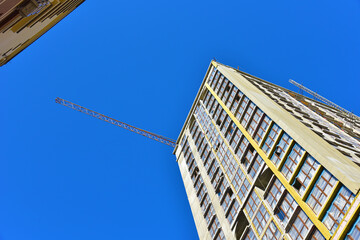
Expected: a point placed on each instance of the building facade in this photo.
(261, 162)
(24, 21)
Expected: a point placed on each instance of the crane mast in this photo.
(118, 123)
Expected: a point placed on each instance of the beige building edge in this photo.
(24, 21)
(259, 161)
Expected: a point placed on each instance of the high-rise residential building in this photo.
(259, 161)
(24, 21)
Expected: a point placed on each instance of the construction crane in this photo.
(156, 137)
(328, 102)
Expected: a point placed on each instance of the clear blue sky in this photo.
(65, 175)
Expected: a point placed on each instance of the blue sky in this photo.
(65, 175)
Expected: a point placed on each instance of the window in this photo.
(202, 193)
(262, 129)
(300, 227)
(216, 178)
(244, 189)
(214, 227)
(316, 235)
(241, 149)
(256, 166)
(198, 184)
(223, 87)
(305, 175)
(185, 148)
(321, 191)
(192, 168)
(233, 211)
(217, 113)
(212, 75)
(226, 201)
(274, 194)
(209, 161)
(227, 93)
(210, 214)
(221, 118)
(269, 142)
(205, 152)
(199, 140)
(242, 107)
(354, 233)
(183, 141)
(219, 83)
(221, 151)
(272, 232)
(210, 103)
(213, 169)
(220, 236)
(252, 204)
(192, 128)
(255, 121)
(196, 110)
(205, 203)
(233, 90)
(230, 130)
(281, 149)
(224, 185)
(250, 235)
(235, 140)
(248, 114)
(286, 209)
(237, 99)
(189, 159)
(196, 134)
(261, 218)
(338, 209)
(249, 156)
(292, 161)
(215, 79)
(212, 135)
(213, 109)
(238, 179)
(207, 98)
(201, 148)
(231, 169)
(224, 127)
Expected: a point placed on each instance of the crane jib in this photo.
(118, 123)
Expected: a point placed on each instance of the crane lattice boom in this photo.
(100, 116)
